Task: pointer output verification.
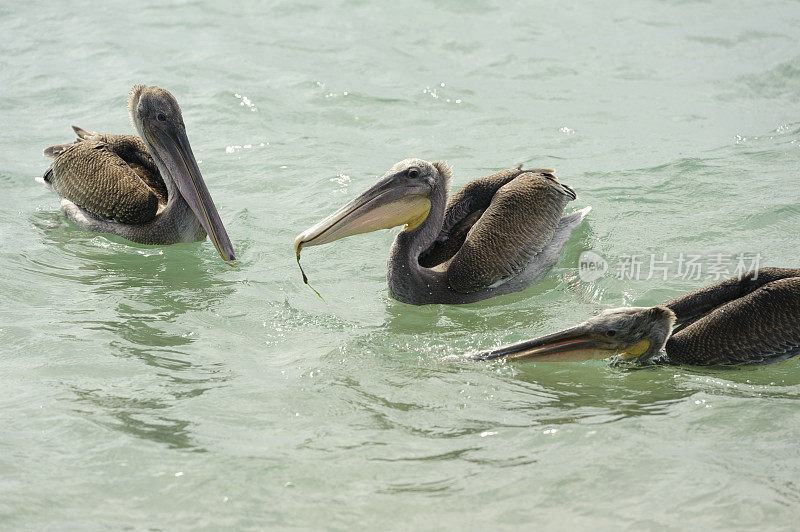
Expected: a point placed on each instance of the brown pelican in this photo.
(498, 234)
(754, 319)
(147, 189)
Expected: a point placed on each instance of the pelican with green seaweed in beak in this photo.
(498, 234)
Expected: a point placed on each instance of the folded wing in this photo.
(496, 225)
(111, 176)
(692, 306)
(759, 327)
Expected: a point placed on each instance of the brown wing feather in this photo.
(759, 327)
(133, 151)
(518, 223)
(111, 176)
(464, 208)
(442, 251)
(693, 305)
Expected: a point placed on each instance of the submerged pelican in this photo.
(750, 320)
(498, 234)
(147, 189)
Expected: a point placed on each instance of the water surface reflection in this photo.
(150, 305)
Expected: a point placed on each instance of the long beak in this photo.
(573, 345)
(176, 153)
(386, 204)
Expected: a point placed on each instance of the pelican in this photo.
(147, 189)
(754, 319)
(498, 234)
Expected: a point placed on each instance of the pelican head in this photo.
(157, 118)
(401, 197)
(634, 333)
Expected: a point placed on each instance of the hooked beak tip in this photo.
(227, 255)
(298, 244)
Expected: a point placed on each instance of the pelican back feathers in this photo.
(757, 328)
(512, 216)
(111, 176)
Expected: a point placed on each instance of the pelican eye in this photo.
(161, 118)
(413, 173)
(611, 333)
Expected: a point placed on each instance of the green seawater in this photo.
(157, 388)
